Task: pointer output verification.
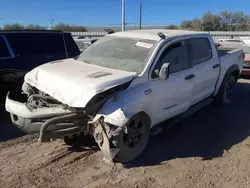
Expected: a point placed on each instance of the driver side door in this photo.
(172, 96)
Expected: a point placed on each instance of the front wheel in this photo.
(133, 139)
(225, 94)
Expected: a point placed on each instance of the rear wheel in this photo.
(133, 139)
(225, 94)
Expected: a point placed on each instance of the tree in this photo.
(15, 26)
(35, 27)
(211, 22)
(172, 27)
(186, 24)
(234, 21)
(225, 21)
(196, 24)
(70, 28)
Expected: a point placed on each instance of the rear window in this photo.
(200, 50)
(36, 43)
(72, 48)
(4, 51)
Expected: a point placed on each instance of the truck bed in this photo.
(228, 57)
(225, 51)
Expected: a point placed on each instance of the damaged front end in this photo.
(34, 111)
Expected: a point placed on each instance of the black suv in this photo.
(21, 51)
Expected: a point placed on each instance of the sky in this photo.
(108, 12)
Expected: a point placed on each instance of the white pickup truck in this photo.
(122, 86)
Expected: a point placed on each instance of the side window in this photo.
(176, 55)
(36, 43)
(72, 48)
(4, 51)
(200, 50)
(54, 43)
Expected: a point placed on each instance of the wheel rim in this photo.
(229, 90)
(133, 133)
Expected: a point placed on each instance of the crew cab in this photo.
(124, 85)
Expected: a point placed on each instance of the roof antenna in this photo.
(161, 35)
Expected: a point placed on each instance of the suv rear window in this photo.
(72, 48)
(200, 50)
(36, 43)
(4, 51)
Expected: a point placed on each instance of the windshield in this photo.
(121, 53)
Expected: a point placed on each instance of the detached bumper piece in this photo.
(50, 123)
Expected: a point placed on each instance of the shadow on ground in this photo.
(205, 134)
(7, 129)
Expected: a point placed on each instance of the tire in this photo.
(225, 94)
(133, 139)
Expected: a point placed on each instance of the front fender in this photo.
(119, 109)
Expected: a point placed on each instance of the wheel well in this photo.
(146, 116)
(236, 74)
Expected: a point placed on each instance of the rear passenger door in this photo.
(206, 68)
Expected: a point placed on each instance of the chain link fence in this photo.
(215, 34)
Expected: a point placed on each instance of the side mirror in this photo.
(164, 72)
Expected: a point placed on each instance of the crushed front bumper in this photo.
(54, 122)
(50, 122)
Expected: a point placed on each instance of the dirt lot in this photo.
(209, 149)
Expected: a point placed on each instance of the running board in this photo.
(197, 107)
(159, 128)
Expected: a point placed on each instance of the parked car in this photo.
(122, 86)
(83, 44)
(245, 40)
(246, 49)
(230, 40)
(21, 51)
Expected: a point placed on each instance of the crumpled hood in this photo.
(73, 82)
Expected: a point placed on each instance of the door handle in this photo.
(148, 91)
(189, 77)
(216, 66)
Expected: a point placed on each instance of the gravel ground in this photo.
(209, 149)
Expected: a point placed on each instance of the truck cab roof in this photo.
(153, 34)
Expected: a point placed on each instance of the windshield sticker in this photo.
(144, 44)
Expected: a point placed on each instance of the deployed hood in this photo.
(73, 82)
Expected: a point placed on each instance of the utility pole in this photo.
(123, 15)
(140, 14)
